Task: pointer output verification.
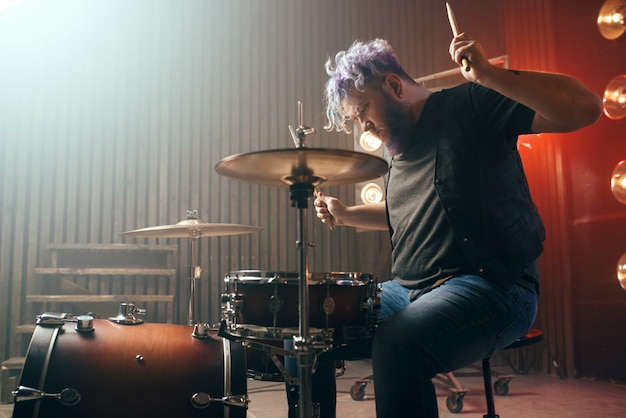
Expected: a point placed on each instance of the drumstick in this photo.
(455, 32)
(331, 224)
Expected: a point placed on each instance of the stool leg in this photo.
(491, 409)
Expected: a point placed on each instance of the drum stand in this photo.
(302, 169)
(305, 347)
(305, 350)
(194, 270)
(191, 228)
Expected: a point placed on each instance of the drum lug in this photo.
(371, 305)
(67, 397)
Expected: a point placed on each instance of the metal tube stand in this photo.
(305, 354)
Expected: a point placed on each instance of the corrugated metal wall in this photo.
(113, 115)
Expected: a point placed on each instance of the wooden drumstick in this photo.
(455, 32)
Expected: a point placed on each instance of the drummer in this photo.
(465, 233)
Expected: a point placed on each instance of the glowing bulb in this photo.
(371, 193)
(618, 182)
(616, 18)
(621, 271)
(369, 142)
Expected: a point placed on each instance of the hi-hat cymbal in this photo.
(285, 167)
(191, 228)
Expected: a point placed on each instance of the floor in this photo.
(533, 395)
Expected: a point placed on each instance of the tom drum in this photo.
(266, 304)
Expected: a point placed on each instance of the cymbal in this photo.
(285, 167)
(191, 228)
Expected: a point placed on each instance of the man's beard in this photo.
(398, 125)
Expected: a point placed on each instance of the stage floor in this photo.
(534, 395)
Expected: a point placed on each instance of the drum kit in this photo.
(81, 366)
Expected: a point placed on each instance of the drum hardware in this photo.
(321, 338)
(67, 397)
(53, 318)
(303, 170)
(84, 323)
(202, 400)
(192, 228)
(232, 304)
(201, 331)
(271, 352)
(126, 315)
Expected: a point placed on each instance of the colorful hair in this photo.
(353, 69)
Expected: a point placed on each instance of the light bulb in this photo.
(618, 182)
(371, 193)
(621, 271)
(369, 142)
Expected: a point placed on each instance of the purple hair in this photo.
(353, 69)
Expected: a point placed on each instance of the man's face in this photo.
(380, 113)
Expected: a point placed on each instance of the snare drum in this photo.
(343, 304)
(145, 370)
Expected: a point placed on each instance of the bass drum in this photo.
(145, 370)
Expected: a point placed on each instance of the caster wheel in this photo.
(501, 388)
(454, 404)
(357, 391)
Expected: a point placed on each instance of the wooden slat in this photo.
(25, 329)
(67, 271)
(112, 247)
(99, 298)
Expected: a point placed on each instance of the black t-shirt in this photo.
(425, 248)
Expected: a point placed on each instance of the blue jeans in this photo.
(456, 324)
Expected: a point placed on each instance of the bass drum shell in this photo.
(145, 370)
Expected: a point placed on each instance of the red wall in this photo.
(598, 236)
(587, 226)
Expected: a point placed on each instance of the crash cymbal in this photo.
(285, 167)
(191, 228)
(611, 19)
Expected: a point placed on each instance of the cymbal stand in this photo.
(194, 270)
(304, 346)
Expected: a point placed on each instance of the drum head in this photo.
(342, 278)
